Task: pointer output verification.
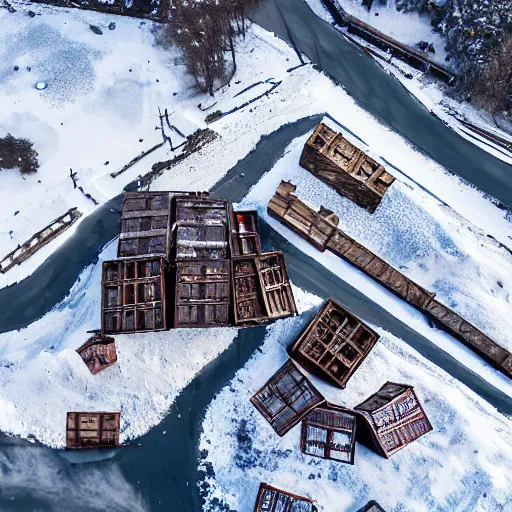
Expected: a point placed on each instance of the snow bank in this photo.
(465, 463)
(42, 377)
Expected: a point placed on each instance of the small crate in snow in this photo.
(371, 506)
(98, 353)
(286, 398)
(353, 174)
(329, 432)
(92, 430)
(391, 419)
(271, 499)
(335, 343)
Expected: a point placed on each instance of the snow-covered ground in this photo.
(42, 377)
(410, 28)
(417, 234)
(464, 464)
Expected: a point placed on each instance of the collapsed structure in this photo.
(322, 231)
(351, 172)
(271, 499)
(92, 430)
(186, 260)
(391, 418)
(334, 343)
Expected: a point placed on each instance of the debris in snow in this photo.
(41, 85)
(16, 68)
(32, 14)
(96, 29)
(112, 25)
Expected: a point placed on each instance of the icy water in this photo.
(159, 471)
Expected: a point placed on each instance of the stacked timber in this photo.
(321, 230)
(352, 173)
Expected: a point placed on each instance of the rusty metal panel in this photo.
(341, 165)
(329, 432)
(202, 293)
(335, 343)
(133, 298)
(98, 353)
(286, 398)
(272, 499)
(392, 418)
(92, 430)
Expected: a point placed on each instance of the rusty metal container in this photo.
(133, 298)
(329, 432)
(92, 430)
(334, 344)
(98, 353)
(391, 419)
(272, 499)
(262, 289)
(338, 163)
(286, 398)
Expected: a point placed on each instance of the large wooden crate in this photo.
(391, 419)
(334, 344)
(272, 499)
(286, 398)
(133, 298)
(92, 430)
(337, 162)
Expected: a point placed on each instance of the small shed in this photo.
(92, 430)
(133, 298)
(262, 289)
(371, 506)
(286, 398)
(391, 418)
(98, 352)
(272, 499)
(337, 162)
(329, 432)
(335, 343)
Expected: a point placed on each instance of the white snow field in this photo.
(42, 377)
(464, 464)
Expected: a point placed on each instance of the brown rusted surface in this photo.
(321, 230)
(92, 430)
(337, 162)
(329, 432)
(202, 293)
(371, 506)
(391, 419)
(98, 353)
(262, 290)
(244, 237)
(133, 298)
(334, 344)
(286, 398)
(272, 499)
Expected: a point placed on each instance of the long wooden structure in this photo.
(321, 230)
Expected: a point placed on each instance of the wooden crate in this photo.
(391, 419)
(334, 344)
(337, 162)
(244, 233)
(329, 432)
(272, 499)
(286, 398)
(133, 298)
(92, 430)
(261, 289)
(98, 353)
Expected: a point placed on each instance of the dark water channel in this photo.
(157, 471)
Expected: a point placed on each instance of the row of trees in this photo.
(205, 32)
